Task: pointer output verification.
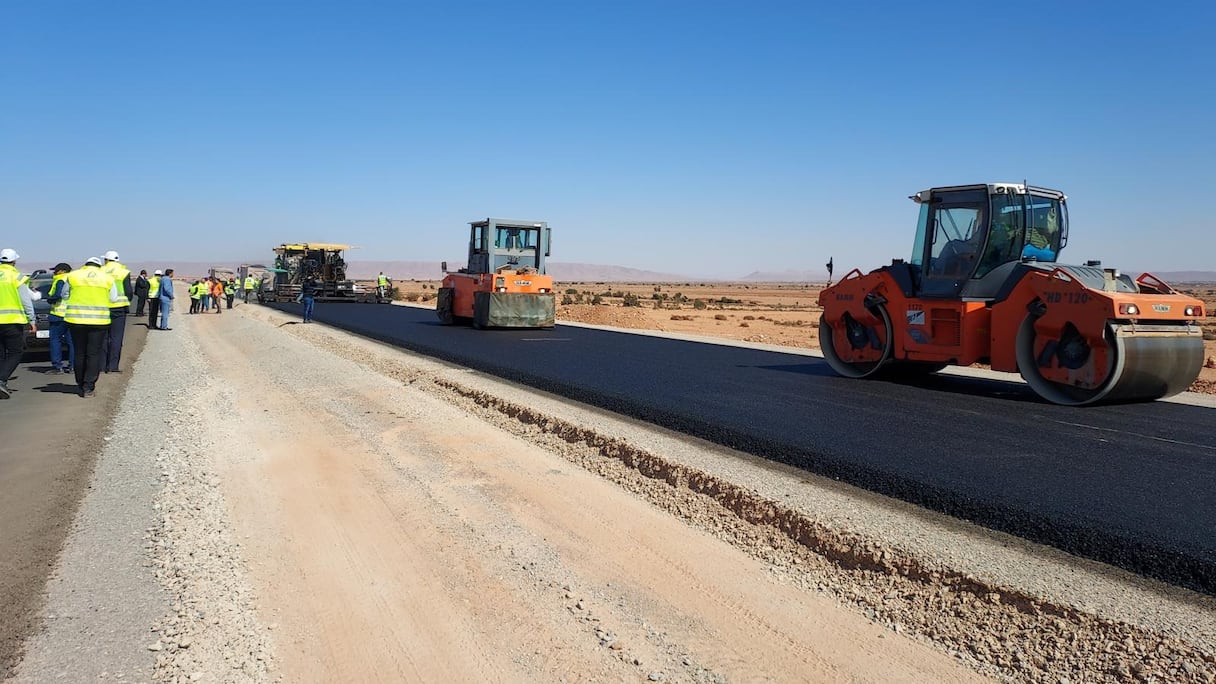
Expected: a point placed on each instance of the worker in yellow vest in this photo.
(59, 327)
(196, 296)
(16, 316)
(118, 314)
(91, 292)
(382, 285)
(154, 299)
(251, 284)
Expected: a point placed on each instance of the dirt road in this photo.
(391, 536)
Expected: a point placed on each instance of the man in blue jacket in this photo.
(166, 298)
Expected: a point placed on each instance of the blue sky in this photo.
(702, 138)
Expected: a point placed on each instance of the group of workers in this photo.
(206, 294)
(88, 315)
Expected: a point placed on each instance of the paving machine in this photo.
(984, 285)
(294, 263)
(504, 284)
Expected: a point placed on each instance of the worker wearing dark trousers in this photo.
(154, 300)
(16, 317)
(91, 294)
(141, 292)
(112, 347)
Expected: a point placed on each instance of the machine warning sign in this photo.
(916, 316)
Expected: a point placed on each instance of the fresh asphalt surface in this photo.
(1132, 485)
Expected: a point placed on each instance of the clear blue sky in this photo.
(703, 138)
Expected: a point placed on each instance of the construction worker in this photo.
(251, 284)
(230, 291)
(118, 319)
(217, 293)
(196, 293)
(59, 327)
(16, 316)
(382, 285)
(166, 298)
(91, 294)
(154, 299)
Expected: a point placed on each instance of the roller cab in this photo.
(504, 284)
(983, 285)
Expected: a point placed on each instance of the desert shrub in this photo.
(681, 317)
(744, 325)
(749, 318)
(597, 300)
(698, 304)
(567, 299)
(719, 317)
(412, 296)
(571, 291)
(1209, 333)
(426, 297)
(728, 300)
(631, 300)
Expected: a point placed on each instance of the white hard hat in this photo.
(111, 255)
(96, 261)
(8, 256)
(157, 272)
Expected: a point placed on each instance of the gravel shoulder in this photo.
(51, 442)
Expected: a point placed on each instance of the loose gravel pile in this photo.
(1010, 632)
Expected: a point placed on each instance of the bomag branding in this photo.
(1161, 308)
(523, 282)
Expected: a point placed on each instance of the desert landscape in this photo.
(785, 314)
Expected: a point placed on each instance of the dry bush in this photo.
(681, 317)
(749, 318)
(1209, 333)
(744, 325)
(719, 317)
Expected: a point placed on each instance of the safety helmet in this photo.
(157, 272)
(8, 256)
(111, 255)
(96, 261)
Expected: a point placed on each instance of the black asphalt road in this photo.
(1132, 485)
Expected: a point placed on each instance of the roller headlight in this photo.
(1129, 310)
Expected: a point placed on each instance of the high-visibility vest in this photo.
(60, 307)
(153, 287)
(195, 290)
(119, 273)
(250, 283)
(89, 296)
(11, 310)
(383, 280)
(229, 289)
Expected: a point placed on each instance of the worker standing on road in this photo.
(217, 293)
(153, 299)
(230, 291)
(195, 294)
(308, 294)
(91, 294)
(204, 295)
(58, 326)
(166, 298)
(118, 317)
(141, 292)
(16, 316)
(250, 284)
(382, 285)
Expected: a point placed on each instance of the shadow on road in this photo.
(59, 388)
